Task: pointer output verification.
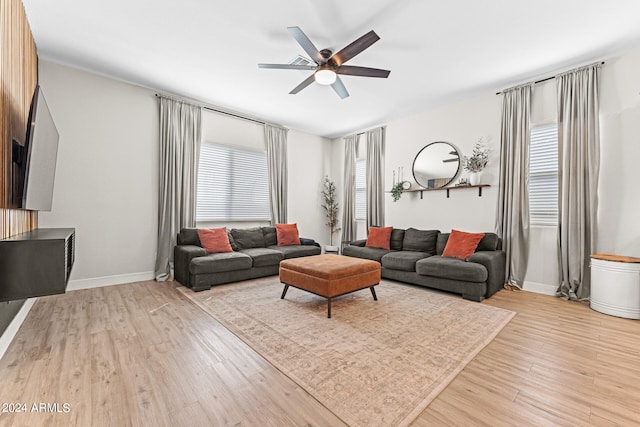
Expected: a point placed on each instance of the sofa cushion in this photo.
(263, 256)
(461, 244)
(287, 234)
(246, 238)
(490, 242)
(397, 236)
(420, 240)
(379, 237)
(402, 260)
(374, 254)
(295, 251)
(270, 238)
(452, 268)
(218, 263)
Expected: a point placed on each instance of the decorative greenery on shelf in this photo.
(396, 191)
(331, 207)
(479, 157)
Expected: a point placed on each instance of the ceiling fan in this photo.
(329, 64)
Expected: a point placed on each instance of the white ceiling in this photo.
(437, 51)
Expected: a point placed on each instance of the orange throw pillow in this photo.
(215, 240)
(462, 245)
(287, 234)
(379, 237)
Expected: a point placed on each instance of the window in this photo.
(361, 189)
(543, 175)
(233, 184)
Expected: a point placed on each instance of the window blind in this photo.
(361, 189)
(543, 175)
(233, 184)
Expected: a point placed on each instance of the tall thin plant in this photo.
(331, 207)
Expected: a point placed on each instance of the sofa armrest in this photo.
(494, 262)
(361, 242)
(182, 256)
(308, 242)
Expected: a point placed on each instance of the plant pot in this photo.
(475, 178)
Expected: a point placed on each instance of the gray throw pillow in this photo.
(247, 238)
(189, 236)
(232, 241)
(420, 240)
(488, 243)
(270, 236)
(443, 238)
(397, 236)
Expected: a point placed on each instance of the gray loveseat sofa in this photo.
(415, 257)
(255, 254)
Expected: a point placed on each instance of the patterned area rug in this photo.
(374, 363)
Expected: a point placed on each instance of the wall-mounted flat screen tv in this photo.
(35, 160)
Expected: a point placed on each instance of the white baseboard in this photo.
(12, 329)
(540, 288)
(98, 282)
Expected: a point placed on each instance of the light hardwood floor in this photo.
(142, 354)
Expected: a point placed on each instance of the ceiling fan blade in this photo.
(304, 84)
(306, 44)
(350, 70)
(288, 66)
(355, 48)
(338, 86)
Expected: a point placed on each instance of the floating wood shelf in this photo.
(460, 187)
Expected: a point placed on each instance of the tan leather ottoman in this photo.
(329, 276)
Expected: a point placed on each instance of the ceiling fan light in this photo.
(325, 77)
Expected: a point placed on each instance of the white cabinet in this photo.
(615, 285)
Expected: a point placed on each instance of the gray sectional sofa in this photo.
(255, 254)
(415, 256)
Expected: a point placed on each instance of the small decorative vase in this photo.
(474, 178)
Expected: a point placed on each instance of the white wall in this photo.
(463, 123)
(106, 175)
(107, 172)
(619, 198)
(309, 161)
(106, 181)
(460, 124)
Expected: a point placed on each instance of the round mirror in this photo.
(436, 165)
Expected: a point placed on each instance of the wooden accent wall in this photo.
(19, 76)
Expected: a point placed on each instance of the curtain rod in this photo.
(362, 133)
(545, 79)
(206, 107)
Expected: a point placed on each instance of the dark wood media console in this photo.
(36, 263)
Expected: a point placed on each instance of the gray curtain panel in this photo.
(180, 137)
(276, 140)
(512, 219)
(375, 177)
(349, 206)
(579, 165)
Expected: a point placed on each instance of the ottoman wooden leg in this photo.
(284, 292)
(329, 308)
(373, 292)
